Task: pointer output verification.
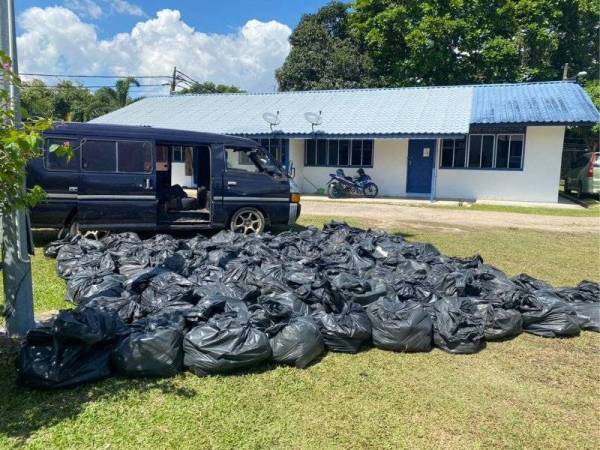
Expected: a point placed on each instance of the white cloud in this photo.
(86, 8)
(91, 9)
(124, 7)
(56, 40)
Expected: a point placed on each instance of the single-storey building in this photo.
(494, 142)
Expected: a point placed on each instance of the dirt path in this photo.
(400, 216)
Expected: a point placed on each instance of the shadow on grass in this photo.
(24, 411)
(44, 236)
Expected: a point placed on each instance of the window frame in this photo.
(280, 147)
(468, 158)
(85, 140)
(78, 148)
(236, 170)
(349, 149)
(441, 146)
(495, 152)
(179, 149)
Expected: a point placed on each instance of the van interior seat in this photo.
(176, 199)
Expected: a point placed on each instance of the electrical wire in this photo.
(179, 77)
(133, 86)
(91, 76)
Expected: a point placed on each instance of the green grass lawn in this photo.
(593, 210)
(528, 392)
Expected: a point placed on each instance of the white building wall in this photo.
(388, 172)
(179, 177)
(537, 182)
(296, 159)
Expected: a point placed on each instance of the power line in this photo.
(29, 86)
(92, 76)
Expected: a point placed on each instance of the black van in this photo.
(120, 178)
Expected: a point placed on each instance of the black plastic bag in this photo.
(297, 342)
(154, 348)
(400, 326)
(281, 306)
(458, 327)
(88, 326)
(127, 306)
(51, 249)
(530, 283)
(165, 288)
(545, 314)
(588, 315)
(87, 284)
(353, 289)
(347, 331)
(224, 345)
(500, 323)
(74, 351)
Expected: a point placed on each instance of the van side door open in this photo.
(118, 184)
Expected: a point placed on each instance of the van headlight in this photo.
(294, 197)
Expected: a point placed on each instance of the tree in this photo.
(208, 87)
(72, 102)
(591, 135)
(18, 145)
(122, 90)
(441, 42)
(325, 54)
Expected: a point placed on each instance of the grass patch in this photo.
(527, 392)
(592, 211)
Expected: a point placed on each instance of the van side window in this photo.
(238, 159)
(134, 156)
(55, 162)
(99, 156)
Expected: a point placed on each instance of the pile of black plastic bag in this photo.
(217, 305)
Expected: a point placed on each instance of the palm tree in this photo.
(107, 99)
(122, 90)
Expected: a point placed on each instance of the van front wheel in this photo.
(247, 221)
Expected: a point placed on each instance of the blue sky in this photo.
(227, 41)
(211, 16)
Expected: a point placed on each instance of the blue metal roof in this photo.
(397, 112)
(559, 102)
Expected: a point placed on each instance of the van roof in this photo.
(146, 132)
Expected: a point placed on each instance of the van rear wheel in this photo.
(247, 221)
(95, 235)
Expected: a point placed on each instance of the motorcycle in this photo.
(339, 185)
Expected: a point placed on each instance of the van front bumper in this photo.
(294, 213)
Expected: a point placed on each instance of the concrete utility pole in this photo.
(17, 245)
(173, 81)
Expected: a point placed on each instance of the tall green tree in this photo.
(325, 53)
(208, 87)
(442, 42)
(122, 90)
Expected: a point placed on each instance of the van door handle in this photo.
(73, 189)
(147, 184)
(232, 183)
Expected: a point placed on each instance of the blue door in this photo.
(421, 158)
